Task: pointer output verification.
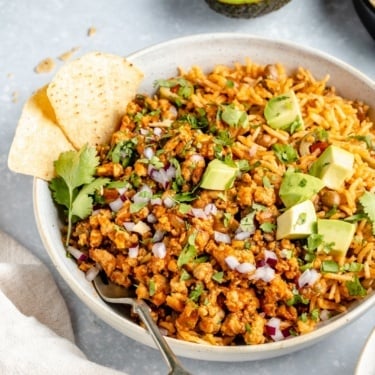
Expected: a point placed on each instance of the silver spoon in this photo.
(113, 293)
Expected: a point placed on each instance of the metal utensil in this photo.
(113, 293)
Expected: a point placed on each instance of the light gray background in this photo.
(31, 30)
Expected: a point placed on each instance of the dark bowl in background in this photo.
(366, 13)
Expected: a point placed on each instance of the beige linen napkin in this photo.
(36, 335)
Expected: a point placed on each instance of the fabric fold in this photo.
(36, 335)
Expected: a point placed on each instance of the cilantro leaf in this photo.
(184, 197)
(330, 266)
(355, 287)
(218, 277)
(285, 153)
(314, 241)
(366, 139)
(184, 208)
(233, 116)
(196, 292)
(124, 152)
(184, 275)
(83, 203)
(267, 227)
(223, 138)
(151, 288)
(189, 251)
(368, 203)
(184, 88)
(74, 183)
(187, 254)
(178, 178)
(247, 223)
(77, 168)
(60, 191)
(297, 299)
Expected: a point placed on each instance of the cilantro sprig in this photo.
(75, 183)
(367, 201)
(285, 153)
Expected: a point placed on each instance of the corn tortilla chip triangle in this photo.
(38, 140)
(90, 94)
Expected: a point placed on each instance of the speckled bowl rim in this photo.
(160, 61)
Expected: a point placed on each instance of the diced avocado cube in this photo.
(283, 112)
(298, 187)
(337, 235)
(296, 222)
(218, 176)
(333, 167)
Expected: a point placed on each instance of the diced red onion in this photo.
(170, 172)
(143, 131)
(141, 228)
(139, 196)
(156, 201)
(129, 225)
(173, 111)
(309, 277)
(270, 258)
(77, 254)
(273, 329)
(164, 123)
(325, 315)
(232, 262)
(116, 204)
(163, 331)
(133, 252)
(92, 272)
(169, 202)
(151, 218)
(150, 169)
(210, 209)
(121, 190)
(160, 176)
(286, 332)
(157, 132)
(148, 153)
(245, 267)
(242, 236)
(285, 253)
(158, 236)
(222, 237)
(163, 175)
(265, 273)
(199, 213)
(146, 188)
(159, 250)
(196, 158)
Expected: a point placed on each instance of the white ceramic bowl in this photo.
(160, 61)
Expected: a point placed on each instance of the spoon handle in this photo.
(141, 308)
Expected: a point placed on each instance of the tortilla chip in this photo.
(38, 140)
(90, 94)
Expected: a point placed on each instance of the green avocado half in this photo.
(245, 8)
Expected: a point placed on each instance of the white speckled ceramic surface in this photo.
(161, 61)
